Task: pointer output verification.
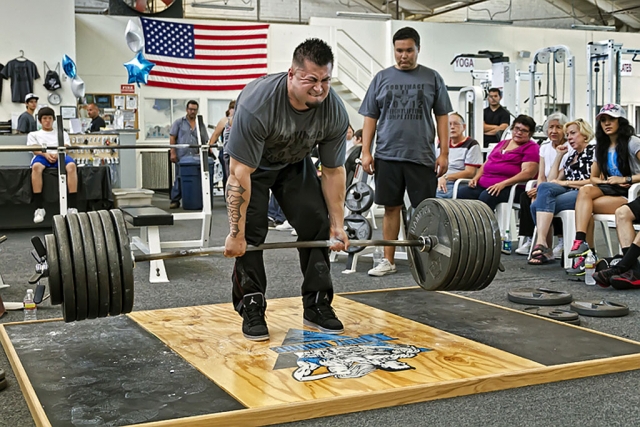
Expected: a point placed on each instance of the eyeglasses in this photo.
(455, 124)
(521, 130)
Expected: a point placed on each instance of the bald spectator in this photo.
(97, 122)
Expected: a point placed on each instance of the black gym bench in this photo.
(149, 219)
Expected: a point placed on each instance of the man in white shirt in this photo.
(48, 137)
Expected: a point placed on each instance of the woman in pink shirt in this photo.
(511, 161)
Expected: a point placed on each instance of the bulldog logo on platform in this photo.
(319, 355)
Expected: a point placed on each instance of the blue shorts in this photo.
(39, 158)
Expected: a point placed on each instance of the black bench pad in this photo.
(146, 216)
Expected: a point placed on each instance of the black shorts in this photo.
(392, 178)
(613, 190)
(634, 206)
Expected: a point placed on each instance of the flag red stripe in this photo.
(239, 37)
(232, 57)
(206, 77)
(209, 67)
(231, 47)
(230, 28)
(195, 87)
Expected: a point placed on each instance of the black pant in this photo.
(297, 189)
(481, 193)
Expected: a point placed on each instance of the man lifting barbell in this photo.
(278, 120)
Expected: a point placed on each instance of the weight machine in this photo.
(609, 53)
(561, 54)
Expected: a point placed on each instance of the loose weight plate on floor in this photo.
(600, 308)
(566, 316)
(3, 384)
(539, 296)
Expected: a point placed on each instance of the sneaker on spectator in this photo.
(39, 215)
(72, 211)
(254, 327)
(525, 247)
(630, 279)
(558, 250)
(272, 224)
(294, 232)
(321, 316)
(577, 269)
(174, 205)
(285, 226)
(579, 249)
(603, 277)
(382, 269)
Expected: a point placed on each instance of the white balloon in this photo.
(77, 87)
(134, 36)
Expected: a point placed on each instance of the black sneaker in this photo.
(603, 277)
(322, 317)
(272, 224)
(254, 326)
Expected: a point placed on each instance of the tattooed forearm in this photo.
(234, 202)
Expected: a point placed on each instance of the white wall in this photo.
(44, 33)
(101, 50)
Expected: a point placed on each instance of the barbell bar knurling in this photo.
(425, 243)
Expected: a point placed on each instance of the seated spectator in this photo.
(615, 168)
(553, 127)
(465, 157)
(511, 161)
(626, 273)
(353, 155)
(48, 137)
(559, 193)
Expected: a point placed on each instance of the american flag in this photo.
(204, 57)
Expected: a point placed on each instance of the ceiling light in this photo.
(485, 21)
(364, 15)
(593, 27)
(222, 6)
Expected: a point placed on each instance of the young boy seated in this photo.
(48, 137)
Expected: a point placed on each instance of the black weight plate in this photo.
(126, 260)
(2, 374)
(53, 264)
(433, 269)
(600, 308)
(456, 284)
(485, 252)
(113, 256)
(493, 243)
(566, 316)
(66, 268)
(93, 292)
(539, 296)
(357, 227)
(359, 197)
(3, 384)
(79, 269)
(477, 255)
(102, 263)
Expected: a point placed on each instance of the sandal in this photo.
(541, 255)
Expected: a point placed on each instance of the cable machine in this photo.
(561, 54)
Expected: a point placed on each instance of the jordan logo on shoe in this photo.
(252, 301)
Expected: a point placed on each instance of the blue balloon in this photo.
(68, 66)
(139, 69)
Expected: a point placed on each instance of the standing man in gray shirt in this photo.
(26, 121)
(399, 104)
(279, 119)
(183, 131)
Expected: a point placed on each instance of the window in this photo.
(216, 109)
(159, 115)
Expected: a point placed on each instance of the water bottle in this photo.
(589, 269)
(506, 243)
(377, 256)
(30, 309)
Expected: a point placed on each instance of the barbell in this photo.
(452, 245)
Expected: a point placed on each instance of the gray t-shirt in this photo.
(402, 102)
(269, 133)
(27, 123)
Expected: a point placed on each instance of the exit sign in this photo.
(127, 89)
